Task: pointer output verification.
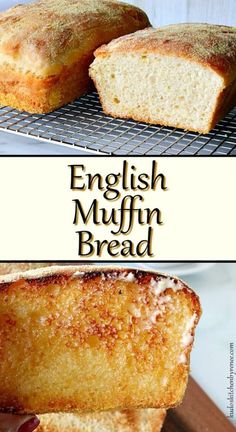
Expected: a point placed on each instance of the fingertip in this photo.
(30, 425)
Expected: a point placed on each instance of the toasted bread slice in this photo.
(143, 420)
(93, 339)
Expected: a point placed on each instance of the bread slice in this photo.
(143, 420)
(46, 48)
(16, 267)
(11, 267)
(93, 339)
(180, 75)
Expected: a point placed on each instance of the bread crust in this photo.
(86, 272)
(30, 93)
(15, 267)
(211, 45)
(75, 317)
(46, 48)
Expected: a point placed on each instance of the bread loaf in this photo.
(143, 420)
(180, 75)
(94, 339)
(46, 48)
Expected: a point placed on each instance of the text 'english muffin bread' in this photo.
(180, 75)
(142, 420)
(46, 48)
(92, 339)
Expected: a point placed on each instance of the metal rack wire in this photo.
(83, 125)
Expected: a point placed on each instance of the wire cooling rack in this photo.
(83, 125)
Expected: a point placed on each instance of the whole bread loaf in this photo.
(46, 48)
(143, 420)
(94, 339)
(180, 75)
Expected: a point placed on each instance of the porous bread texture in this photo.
(94, 339)
(158, 89)
(182, 76)
(143, 420)
(46, 48)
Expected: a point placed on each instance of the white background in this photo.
(210, 356)
(163, 12)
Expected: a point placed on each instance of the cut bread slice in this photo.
(93, 339)
(143, 420)
(16, 267)
(180, 75)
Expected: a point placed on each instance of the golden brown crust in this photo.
(86, 272)
(46, 48)
(225, 102)
(94, 338)
(50, 29)
(150, 420)
(30, 93)
(211, 45)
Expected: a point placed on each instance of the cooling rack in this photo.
(83, 125)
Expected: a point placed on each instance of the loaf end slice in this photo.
(181, 75)
(143, 420)
(16, 267)
(92, 339)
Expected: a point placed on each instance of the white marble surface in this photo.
(11, 144)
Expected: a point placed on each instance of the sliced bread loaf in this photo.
(181, 75)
